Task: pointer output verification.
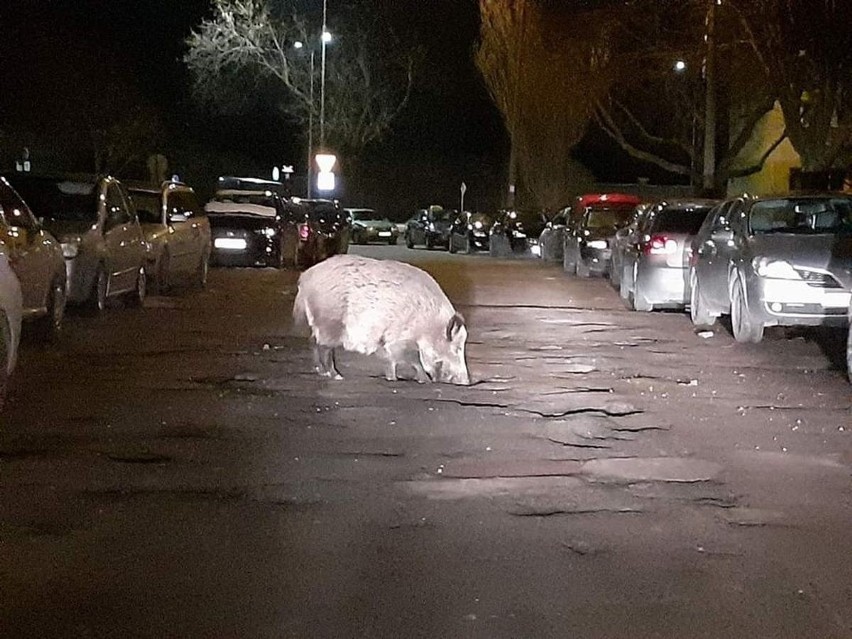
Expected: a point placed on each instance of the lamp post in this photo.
(325, 38)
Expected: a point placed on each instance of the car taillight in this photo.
(660, 245)
(304, 231)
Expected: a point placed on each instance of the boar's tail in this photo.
(455, 324)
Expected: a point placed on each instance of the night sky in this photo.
(450, 132)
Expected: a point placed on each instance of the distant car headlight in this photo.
(477, 225)
(431, 226)
(269, 231)
(776, 269)
(597, 244)
(70, 247)
(519, 234)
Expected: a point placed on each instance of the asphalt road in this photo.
(180, 471)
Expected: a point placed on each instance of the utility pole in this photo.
(709, 181)
(514, 128)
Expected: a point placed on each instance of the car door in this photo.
(123, 244)
(713, 250)
(29, 249)
(183, 230)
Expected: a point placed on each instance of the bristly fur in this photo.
(364, 305)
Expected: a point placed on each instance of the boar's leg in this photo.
(326, 364)
(400, 353)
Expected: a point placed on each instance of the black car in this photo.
(588, 241)
(469, 232)
(253, 228)
(516, 232)
(324, 230)
(430, 227)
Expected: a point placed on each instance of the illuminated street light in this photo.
(680, 66)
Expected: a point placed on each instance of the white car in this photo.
(11, 311)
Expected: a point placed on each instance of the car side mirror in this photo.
(722, 235)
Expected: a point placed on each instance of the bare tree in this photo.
(804, 48)
(543, 67)
(246, 51)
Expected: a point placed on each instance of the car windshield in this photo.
(801, 215)
(440, 215)
(147, 205)
(366, 214)
(681, 219)
(64, 201)
(606, 217)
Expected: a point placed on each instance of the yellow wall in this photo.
(775, 176)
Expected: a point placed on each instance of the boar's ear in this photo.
(455, 324)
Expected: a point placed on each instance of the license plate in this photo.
(230, 243)
(384, 233)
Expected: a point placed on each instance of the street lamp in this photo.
(325, 39)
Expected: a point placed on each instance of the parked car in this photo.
(655, 265)
(773, 261)
(516, 232)
(96, 225)
(552, 238)
(11, 312)
(328, 231)
(36, 258)
(620, 241)
(595, 218)
(177, 232)
(369, 226)
(430, 227)
(469, 232)
(254, 228)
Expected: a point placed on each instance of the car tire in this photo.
(583, 269)
(162, 274)
(202, 271)
(408, 241)
(97, 301)
(49, 326)
(614, 274)
(136, 297)
(698, 312)
(624, 292)
(392, 241)
(744, 327)
(429, 243)
(451, 247)
(5, 336)
(637, 302)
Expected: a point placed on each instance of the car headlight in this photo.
(431, 226)
(597, 244)
(519, 234)
(777, 269)
(269, 231)
(70, 247)
(477, 225)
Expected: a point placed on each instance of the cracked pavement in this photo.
(182, 472)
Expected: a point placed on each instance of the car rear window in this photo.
(608, 217)
(681, 220)
(802, 215)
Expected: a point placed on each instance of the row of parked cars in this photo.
(762, 261)
(85, 241)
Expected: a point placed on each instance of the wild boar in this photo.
(366, 305)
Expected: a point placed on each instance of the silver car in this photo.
(11, 311)
(774, 261)
(177, 231)
(102, 242)
(655, 262)
(368, 226)
(36, 258)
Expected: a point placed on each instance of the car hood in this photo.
(376, 224)
(830, 252)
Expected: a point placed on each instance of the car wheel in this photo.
(744, 326)
(429, 243)
(614, 274)
(97, 301)
(451, 247)
(624, 289)
(392, 241)
(202, 271)
(637, 302)
(5, 336)
(849, 352)
(583, 269)
(137, 296)
(408, 241)
(163, 265)
(697, 306)
(50, 326)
